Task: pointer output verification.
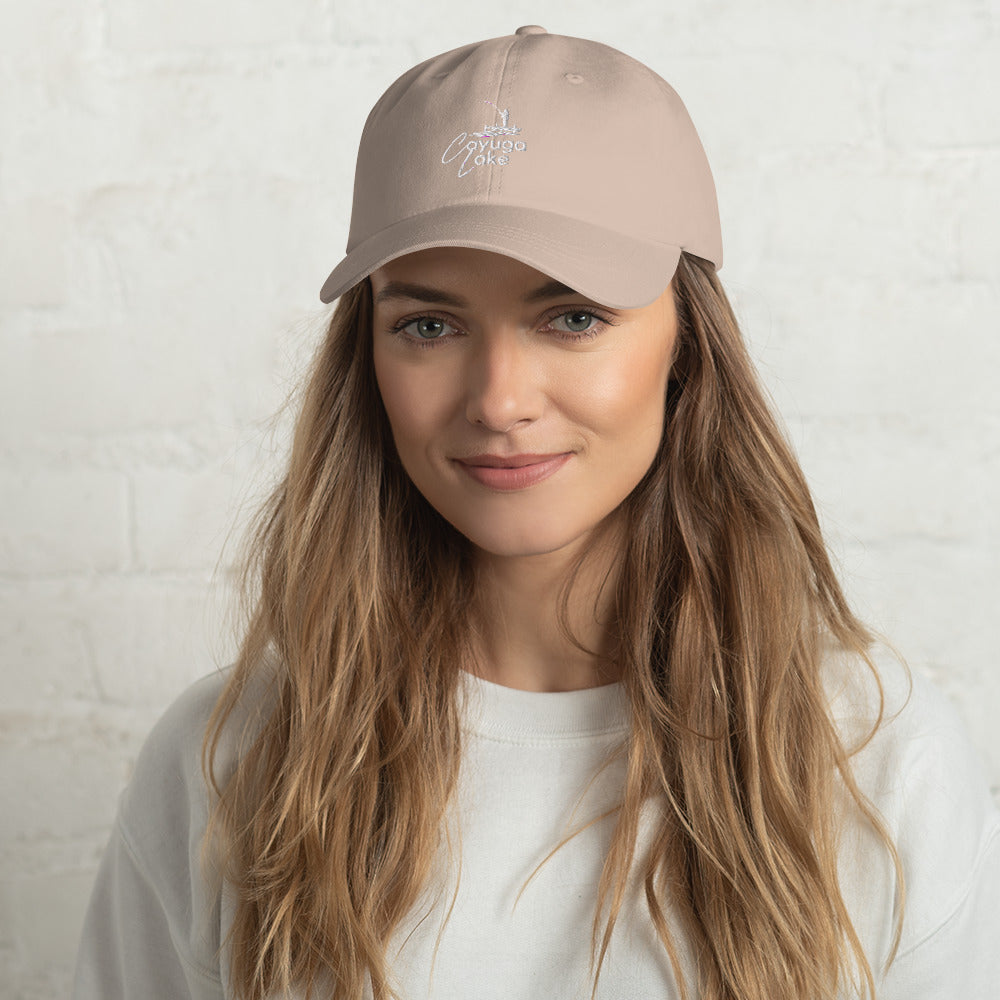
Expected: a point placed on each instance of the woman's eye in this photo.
(574, 322)
(428, 327)
(429, 330)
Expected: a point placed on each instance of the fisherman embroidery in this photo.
(485, 148)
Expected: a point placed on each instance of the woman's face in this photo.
(498, 374)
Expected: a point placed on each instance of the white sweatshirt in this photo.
(154, 925)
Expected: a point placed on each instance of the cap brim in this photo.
(614, 270)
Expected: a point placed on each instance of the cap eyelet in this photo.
(573, 78)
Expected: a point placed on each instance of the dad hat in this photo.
(561, 152)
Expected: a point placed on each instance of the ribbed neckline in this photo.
(529, 716)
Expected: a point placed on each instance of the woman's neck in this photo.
(520, 643)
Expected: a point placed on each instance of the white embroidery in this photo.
(492, 130)
(482, 151)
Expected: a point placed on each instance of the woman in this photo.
(548, 686)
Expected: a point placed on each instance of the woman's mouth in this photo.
(518, 477)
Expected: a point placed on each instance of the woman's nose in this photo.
(502, 380)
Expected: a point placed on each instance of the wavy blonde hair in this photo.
(363, 597)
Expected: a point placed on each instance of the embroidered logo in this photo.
(487, 148)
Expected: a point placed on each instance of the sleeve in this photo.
(947, 829)
(153, 924)
(961, 958)
(127, 950)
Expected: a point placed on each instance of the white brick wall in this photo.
(175, 184)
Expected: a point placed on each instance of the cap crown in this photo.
(543, 121)
(562, 152)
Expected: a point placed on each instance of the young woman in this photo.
(548, 686)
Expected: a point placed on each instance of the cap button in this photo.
(531, 29)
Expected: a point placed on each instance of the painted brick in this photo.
(33, 269)
(56, 385)
(932, 480)
(853, 348)
(945, 98)
(857, 216)
(977, 218)
(183, 518)
(50, 26)
(62, 520)
(64, 774)
(152, 636)
(157, 25)
(45, 643)
(47, 911)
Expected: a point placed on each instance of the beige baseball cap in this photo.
(561, 152)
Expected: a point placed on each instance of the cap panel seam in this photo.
(496, 176)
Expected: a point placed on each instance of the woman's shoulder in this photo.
(175, 739)
(167, 796)
(904, 733)
(170, 755)
(926, 778)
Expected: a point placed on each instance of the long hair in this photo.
(360, 610)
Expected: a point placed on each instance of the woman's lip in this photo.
(516, 479)
(510, 461)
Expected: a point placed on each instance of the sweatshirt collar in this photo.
(495, 710)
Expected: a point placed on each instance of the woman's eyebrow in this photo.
(423, 293)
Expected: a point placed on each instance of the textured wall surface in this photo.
(175, 185)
